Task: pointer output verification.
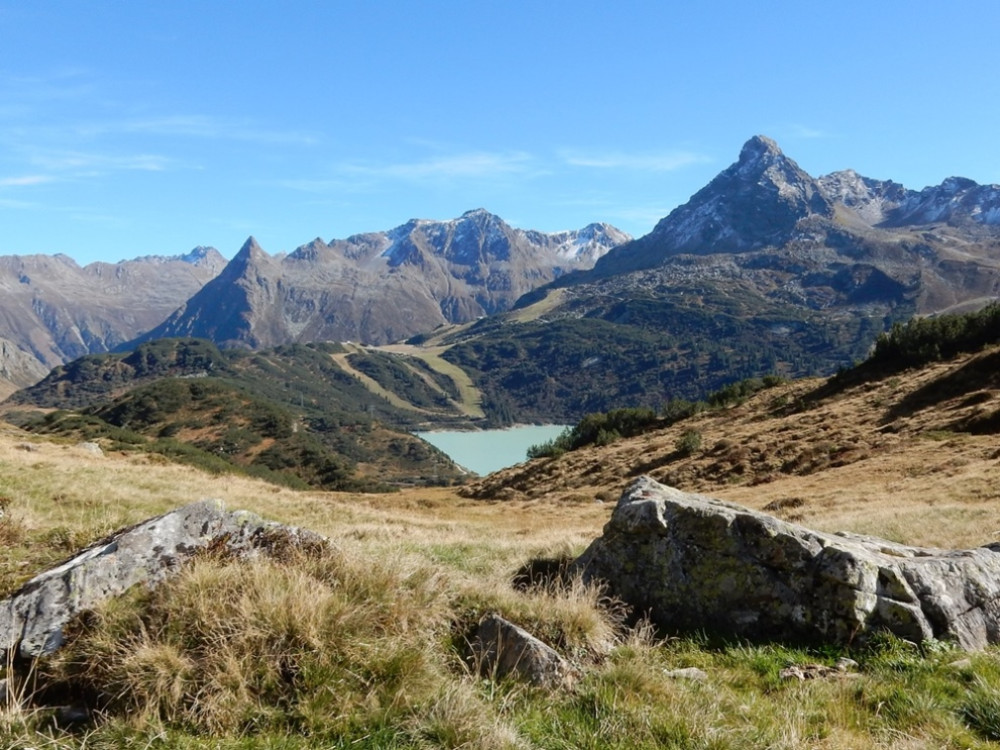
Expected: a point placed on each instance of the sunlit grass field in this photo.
(365, 647)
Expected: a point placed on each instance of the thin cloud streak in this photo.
(796, 130)
(80, 163)
(668, 161)
(34, 179)
(475, 164)
(201, 126)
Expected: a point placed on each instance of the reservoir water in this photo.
(485, 451)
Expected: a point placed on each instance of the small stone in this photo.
(961, 664)
(687, 673)
(844, 664)
(503, 649)
(30, 447)
(93, 448)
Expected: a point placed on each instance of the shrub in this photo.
(597, 429)
(689, 442)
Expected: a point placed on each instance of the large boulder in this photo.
(32, 619)
(696, 563)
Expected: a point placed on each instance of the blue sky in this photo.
(135, 128)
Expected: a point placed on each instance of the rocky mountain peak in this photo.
(250, 250)
(954, 185)
(200, 254)
(478, 213)
(756, 202)
(759, 148)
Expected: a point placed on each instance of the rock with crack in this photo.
(503, 649)
(33, 618)
(694, 563)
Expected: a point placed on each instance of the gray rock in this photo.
(32, 619)
(93, 448)
(696, 563)
(845, 664)
(503, 649)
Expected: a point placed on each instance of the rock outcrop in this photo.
(33, 618)
(502, 649)
(695, 563)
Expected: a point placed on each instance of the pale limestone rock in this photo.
(695, 563)
(32, 619)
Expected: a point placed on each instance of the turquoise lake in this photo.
(486, 451)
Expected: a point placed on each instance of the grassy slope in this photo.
(890, 457)
(470, 401)
(420, 567)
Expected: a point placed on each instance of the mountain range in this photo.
(830, 241)
(381, 287)
(52, 310)
(373, 288)
(765, 269)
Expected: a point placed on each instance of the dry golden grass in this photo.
(365, 646)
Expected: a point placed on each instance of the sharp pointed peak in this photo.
(757, 147)
(250, 246)
(251, 252)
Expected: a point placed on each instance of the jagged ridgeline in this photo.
(292, 414)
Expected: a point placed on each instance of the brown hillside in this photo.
(892, 457)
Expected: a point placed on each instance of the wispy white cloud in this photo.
(642, 215)
(471, 164)
(797, 130)
(81, 163)
(25, 180)
(203, 126)
(8, 203)
(662, 161)
(306, 185)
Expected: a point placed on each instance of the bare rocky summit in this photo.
(837, 241)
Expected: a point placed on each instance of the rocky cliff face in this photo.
(381, 287)
(52, 310)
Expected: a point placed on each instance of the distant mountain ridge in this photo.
(373, 287)
(53, 310)
(381, 287)
(803, 271)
